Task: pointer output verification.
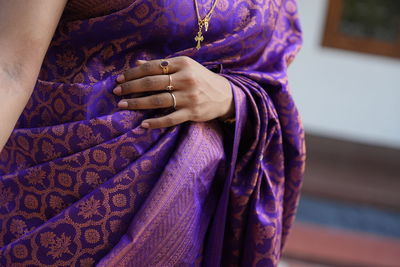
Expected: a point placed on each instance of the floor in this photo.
(349, 213)
(331, 234)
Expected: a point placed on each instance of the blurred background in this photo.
(346, 83)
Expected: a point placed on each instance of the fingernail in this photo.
(140, 61)
(117, 90)
(145, 125)
(120, 78)
(123, 104)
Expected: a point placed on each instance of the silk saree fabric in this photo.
(82, 184)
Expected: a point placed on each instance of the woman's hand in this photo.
(200, 94)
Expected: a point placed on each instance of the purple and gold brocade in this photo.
(82, 184)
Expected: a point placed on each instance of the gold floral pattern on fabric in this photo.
(35, 176)
(119, 200)
(20, 251)
(18, 227)
(5, 196)
(92, 236)
(31, 202)
(56, 203)
(93, 179)
(57, 245)
(67, 60)
(89, 208)
(65, 179)
(87, 262)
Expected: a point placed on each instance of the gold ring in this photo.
(170, 87)
(173, 99)
(164, 66)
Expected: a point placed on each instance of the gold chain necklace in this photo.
(205, 22)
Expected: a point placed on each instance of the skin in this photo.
(201, 95)
(26, 29)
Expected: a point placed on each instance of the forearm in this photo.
(13, 98)
(26, 29)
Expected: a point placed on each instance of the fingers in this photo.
(151, 76)
(147, 68)
(148, 76)
(145, 84)
(152, 67)
(163, 100)
(169, 120)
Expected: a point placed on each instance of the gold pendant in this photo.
(203, 23)
(199, 38)
(206, 23)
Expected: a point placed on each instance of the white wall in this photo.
(344, 94)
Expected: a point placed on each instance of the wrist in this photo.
(229, 116)
(227, 107)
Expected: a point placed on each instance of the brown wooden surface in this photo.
(334, 38)
(334, 247)
(352, 172)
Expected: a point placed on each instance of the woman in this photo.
(126, 153)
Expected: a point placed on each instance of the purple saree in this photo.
(82, 184)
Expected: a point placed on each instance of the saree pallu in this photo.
(82, 184)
